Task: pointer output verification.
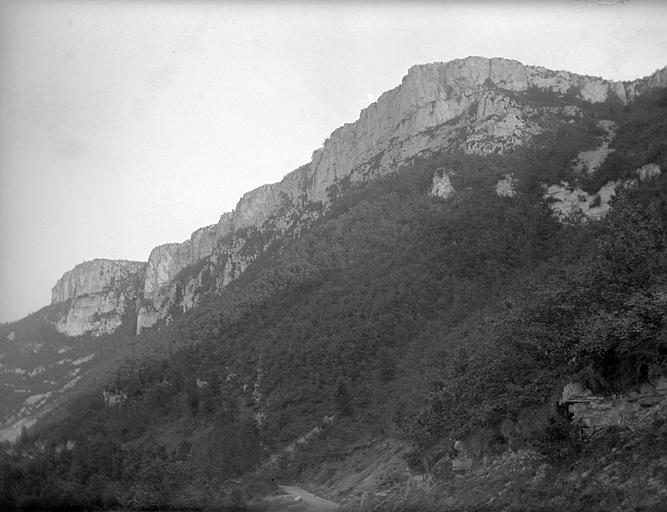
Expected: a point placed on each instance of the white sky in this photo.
(125, 125)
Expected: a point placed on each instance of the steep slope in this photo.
(464, 105)
(451, 288)
(41, 369)
(398, 313)
(476, 105)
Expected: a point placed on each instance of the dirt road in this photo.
(312, 502)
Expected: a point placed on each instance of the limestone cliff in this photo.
(178, 274)
(96, 314)
(473, 105)
(101, 294)
(413, 118)
(93, 277)
(165, 262)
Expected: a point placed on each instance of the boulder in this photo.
(576, 393)
(442, 185)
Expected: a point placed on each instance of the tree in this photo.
(386, 365)
(342, 398)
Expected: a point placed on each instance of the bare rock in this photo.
(101, 293)
(569, 204)
(437, 93)
(591, 160)
(93, 277)
(442, 185)
(648, 171)
(575, 393)
(631, 410)
(462, 104)
(506, 186)
(113, 398)
(96, 314)
(164, 263)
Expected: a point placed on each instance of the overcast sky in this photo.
(125, 125)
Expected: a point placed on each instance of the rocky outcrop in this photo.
(638, 87)
(434, 94)
(176, 277)
(164, 263)
(256, 206)
(101, 296)
(575, 204)
(648, 171)
(430, 96)
(630, 410)
(442, 185)
(94, 277)
(178, 282)
(409, 119)
(96, 314)
(167, 261)
(506, 187)
(113, 398)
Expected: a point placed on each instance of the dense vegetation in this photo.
(398, 314)
(600, 320)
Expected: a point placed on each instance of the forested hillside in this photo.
(396, 315)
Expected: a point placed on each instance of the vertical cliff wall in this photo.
(472, 105)
(95, 276)
(101, 295)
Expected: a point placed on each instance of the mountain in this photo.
(423, 291)
(472, 105)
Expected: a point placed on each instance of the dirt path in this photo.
(313, 502)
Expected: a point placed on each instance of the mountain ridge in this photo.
(422, 114)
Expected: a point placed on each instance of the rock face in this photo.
(576, 204)
(421, 114)
(177, 274)
(442, 185)
(101, 295)
(506, 186)
(472, 105)
(93, 277)
(648, 171)
(435, 94)
(631, 410)
(96, 314)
